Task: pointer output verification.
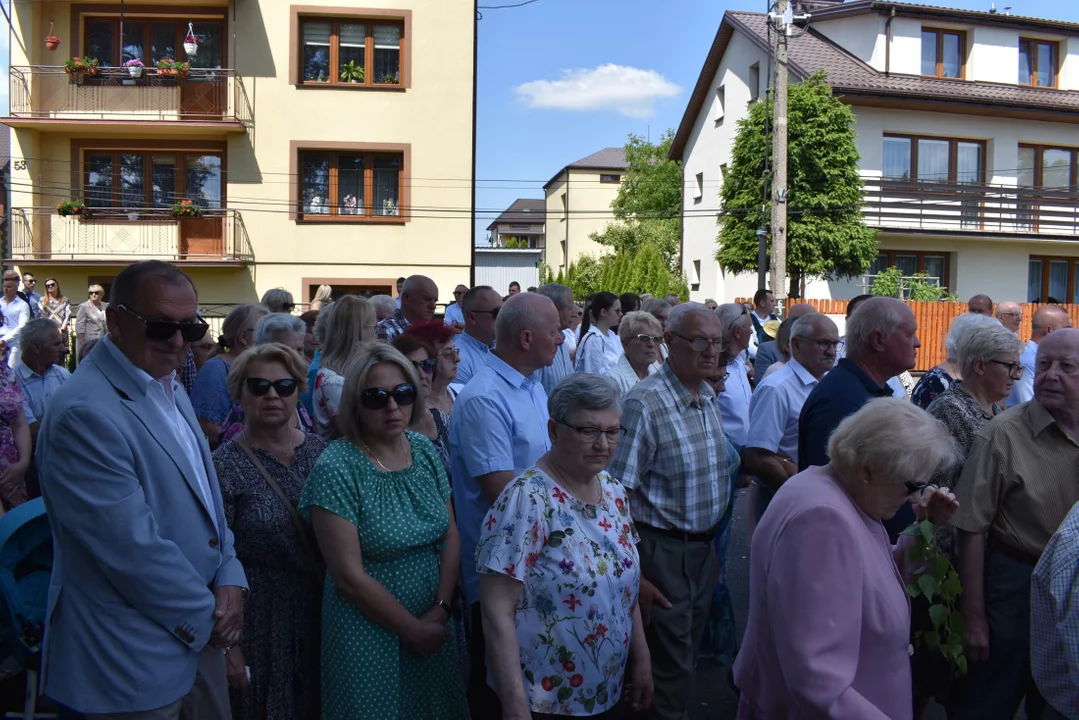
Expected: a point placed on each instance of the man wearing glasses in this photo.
(1010, 315)
(673, 461)
(146, 592)
(1046, 319)
(480, 307)
(454, 317)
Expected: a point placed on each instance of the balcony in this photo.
(206, 102)
(114, 236)
(933, 207)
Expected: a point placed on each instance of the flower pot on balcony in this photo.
(132, 216)
(135, 72)
(191, 48)
(52, 42)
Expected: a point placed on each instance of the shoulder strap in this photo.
(297, 521)
(580, 350)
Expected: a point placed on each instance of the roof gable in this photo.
(612, 158)
(523, 210)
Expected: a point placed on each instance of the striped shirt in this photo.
(1020, 479)
(392, 326)
(673, 458)
(1054, 619)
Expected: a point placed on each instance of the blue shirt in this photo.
(561, 367)
(1054, 619)
(499, 423)
(1023, 389)
(38, 390)
(453, 314)
(307, 399)
(473, 357)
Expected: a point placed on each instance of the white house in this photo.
(523, 225)
(968, 130)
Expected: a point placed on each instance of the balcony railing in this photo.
(995, 209)
(48, 92)
(115, 235)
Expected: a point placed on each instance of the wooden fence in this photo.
(934, 319)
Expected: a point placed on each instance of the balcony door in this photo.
(1047, 180)
(942, 174)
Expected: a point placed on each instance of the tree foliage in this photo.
(645, 271)
(826, 234)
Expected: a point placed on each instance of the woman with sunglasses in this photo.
(829, 620)
(281, 632)
(379, 501)
(641, 337)
(599, 347)
(434, 424)
(439, 336)
(90, 316)
(57, 308)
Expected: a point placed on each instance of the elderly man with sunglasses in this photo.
(146, 591)
(673, 462)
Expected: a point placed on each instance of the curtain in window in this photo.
(1025, 71)
(99, 180)
(1047, 65)
(316, 185)
(1034, 281)
(907, 264)
(933, 160)
(99, 41)
(1058, 280)
(387, 54)
(350, 185)
(934, 268)
(163, 180)
(1056, 168)
(386, 179)
(316, 51)
(1075, 294)
(929, 53)
(132, 181)
(203, 176)
(952, 62)
(897, 158)
(352, 45)
(970, 164)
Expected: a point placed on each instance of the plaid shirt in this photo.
(392, 326)
(188, 371)
(1054, 619)
(673, 458)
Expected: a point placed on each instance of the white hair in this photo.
(39, 330)
(582, 391)
(876, 313)
(633, 323)
(984, 342)
(681, 314)
(383, 301)
(730, 316)
(271, 327)
(961, 327)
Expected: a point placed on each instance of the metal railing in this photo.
(913, 205)
(48, 91)
(112, 234)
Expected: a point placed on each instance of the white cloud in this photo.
(630, 91)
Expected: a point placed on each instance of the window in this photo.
(944, 53)
(695, 281)
(754, 82)
(723, 171)
(935, 265)
(353, 186)
(565, 209)
(699, 192)
(941, 160)
(1038, 62)
(152, 179)
(1053, 280)
(352, 52)
(610, 178)
(721, 101)
(1045, 167)
(151, 39)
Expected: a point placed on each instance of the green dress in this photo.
(401, 518)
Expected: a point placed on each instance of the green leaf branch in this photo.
(937, 581)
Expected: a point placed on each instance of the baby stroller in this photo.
(25, 569)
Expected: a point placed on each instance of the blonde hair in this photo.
(98, 289)
(267, 352)
(634, 322)
(356, 371)
(323, 294)
(342, 330)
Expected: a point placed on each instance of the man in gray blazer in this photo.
(146, 593)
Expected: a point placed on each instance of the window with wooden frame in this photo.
(1048, 167)
(150, 39)
(944, 53)
(352, 52)
(1038, 62)
(934, 264)
(152, 178)
(1053, 279)
(933, 159)
(351, 186)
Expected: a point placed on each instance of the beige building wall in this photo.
(578, 204)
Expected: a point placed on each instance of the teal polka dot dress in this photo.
(401, 517)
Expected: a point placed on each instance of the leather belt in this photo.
(705, 537)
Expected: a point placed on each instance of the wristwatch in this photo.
(439, 602)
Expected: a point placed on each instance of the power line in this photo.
(507, 7)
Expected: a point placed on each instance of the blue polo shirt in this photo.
(840, 393)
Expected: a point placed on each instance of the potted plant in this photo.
(390, 79)
(51, 42)
(389, 207)
(134, 67)
(168, 67)
(185, 208)
(81, 66)
(70, 207)
(351, 72)
(191, 43)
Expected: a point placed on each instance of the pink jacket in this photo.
(828, 634)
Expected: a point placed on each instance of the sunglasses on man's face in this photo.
(261, 386)
(378, 398)
(167, 329)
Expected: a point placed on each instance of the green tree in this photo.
(826, 234)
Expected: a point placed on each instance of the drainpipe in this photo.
(888, 44)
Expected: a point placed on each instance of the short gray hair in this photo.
(653, 305)
(560, 295)
(582, 391)
(680, 314)
(805, 325)
(277, 299)
(730, 314)
(383, 301)
(985, 342)
(39, 330)
(271, 327)
(876, 313)
(519, 313)
(865, 442)
(634, 322)
(962, 326)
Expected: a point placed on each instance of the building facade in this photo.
(966, 128)
(579, 198)
(300, 132)
(522, 225)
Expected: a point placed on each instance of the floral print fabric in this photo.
(581, 575)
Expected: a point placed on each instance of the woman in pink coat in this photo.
(828, 634)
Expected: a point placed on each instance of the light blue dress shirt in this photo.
(473, 357)
(734, 401)
(1023, 389)
(560, 368)
(38, 390)
(499, 423)
(775, 408)
(1054, 619)
(453, 314)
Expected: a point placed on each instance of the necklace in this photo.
(375, 457)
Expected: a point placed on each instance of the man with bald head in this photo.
(1017, 486)
(418, 297)
(497, 431)
(1010, 315)
(980, 305)
(768, 353)
(1046, 319)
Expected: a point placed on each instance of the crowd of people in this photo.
(522, 509)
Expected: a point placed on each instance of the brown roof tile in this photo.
(523, 210)
(612, 158)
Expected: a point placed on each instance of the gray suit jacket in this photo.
(137, 553)
(767, 354)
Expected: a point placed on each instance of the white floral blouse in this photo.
(581, 575)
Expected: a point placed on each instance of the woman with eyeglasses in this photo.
(440, 337)
(641, 337)
(828, 633)
(937, 381)
(90, 316)
(379, 501)
(262, 471)
(599, 347)
(56, 307)
(560, 574)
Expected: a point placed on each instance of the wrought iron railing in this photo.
(111, 234)
(48, 91)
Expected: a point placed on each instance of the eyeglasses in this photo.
(701, 344)
(650, 338)
(591, 434)
(94, 292)
(458, 292)
(913, 487)
(261, 386)
(825, 345)
(493, 312)
(166, 329)
(450, 353)
(719, 378)
(1015, 370)
(377, 398)
(426, 366)
(50, 285)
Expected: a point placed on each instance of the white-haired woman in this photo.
(641, 336)
(278, 300)
(379, 501)
(940, 378)
(90, 316)
(560, 572)
(323, 297)
(384, 305)
(829, 620)
(344, 326)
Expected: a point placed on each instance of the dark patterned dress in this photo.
(931, 386)
(282, 613)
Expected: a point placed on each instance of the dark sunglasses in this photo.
(166, 329)
(261, 386)
(50, 285)
(377, 398)
(493, 312)
(427, 366)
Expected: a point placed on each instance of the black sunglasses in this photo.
(261, 386)
(427, 366)
(166, 329)
(377, 398)
(493, 312)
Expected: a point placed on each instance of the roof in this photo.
(884, 7)
(523, 210)
(860, 83)
(612, 158)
